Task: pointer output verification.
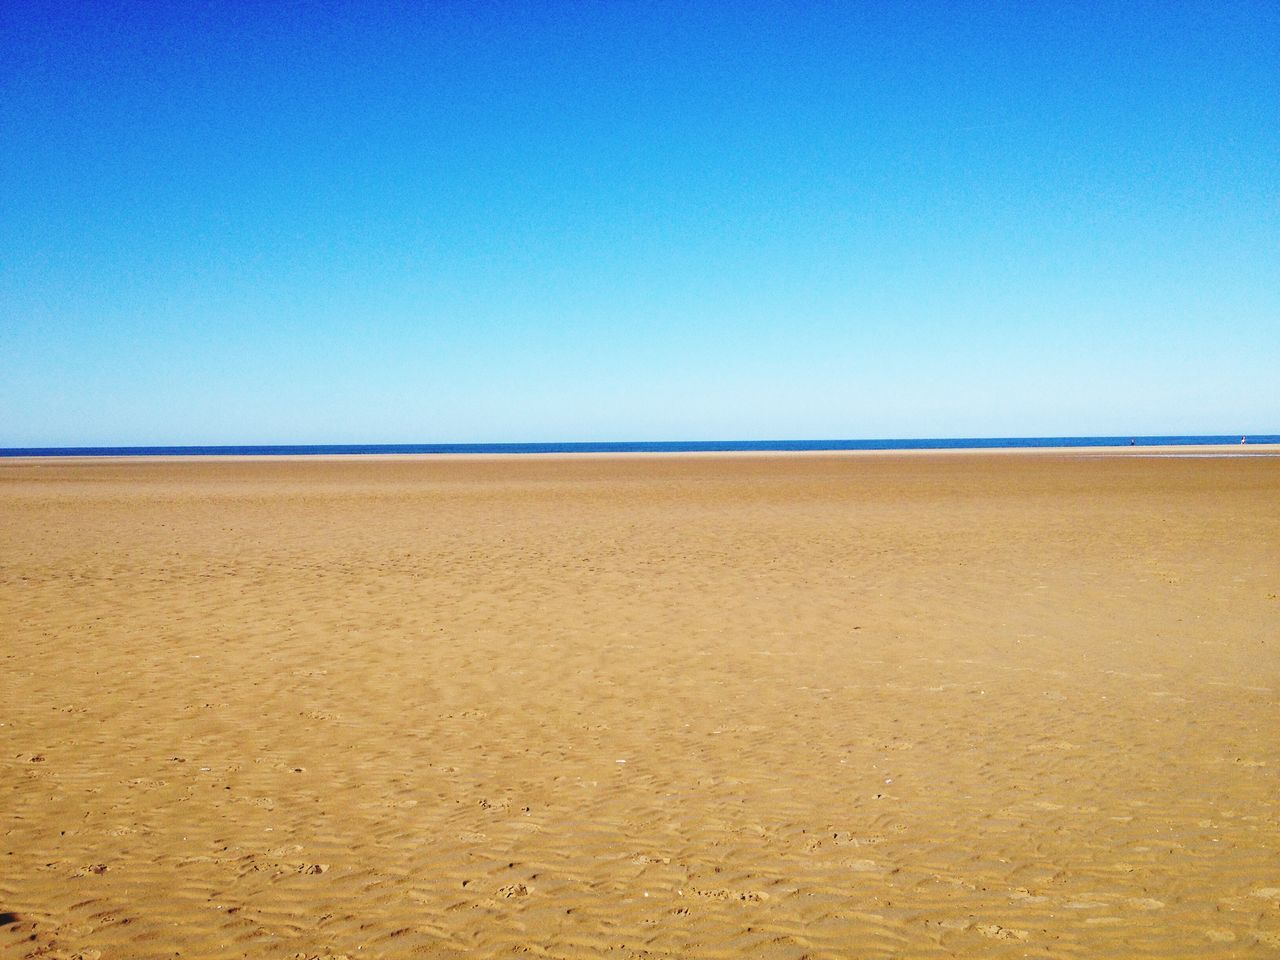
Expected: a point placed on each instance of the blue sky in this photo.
(576, 221)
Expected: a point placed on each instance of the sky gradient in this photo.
(616, 221)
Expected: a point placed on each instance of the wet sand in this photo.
(832, 706)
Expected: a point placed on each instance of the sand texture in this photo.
(680, 707)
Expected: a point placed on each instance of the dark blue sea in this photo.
(627, 446)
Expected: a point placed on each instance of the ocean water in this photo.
(629, 446)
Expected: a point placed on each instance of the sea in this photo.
(639, 446)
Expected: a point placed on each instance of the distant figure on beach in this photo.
(1133, 442)
(1244, 439)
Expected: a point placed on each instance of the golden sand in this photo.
(823, 706)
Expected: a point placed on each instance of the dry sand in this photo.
(824, 706)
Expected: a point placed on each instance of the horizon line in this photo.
(642, 446)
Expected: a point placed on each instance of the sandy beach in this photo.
(825, 706)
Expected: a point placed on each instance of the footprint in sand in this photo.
(747, 896)
(317, 715)
(993, 931)
(849, 840)
(1023, 895)
(644, 859)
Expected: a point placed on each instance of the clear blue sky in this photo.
(226, 223)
